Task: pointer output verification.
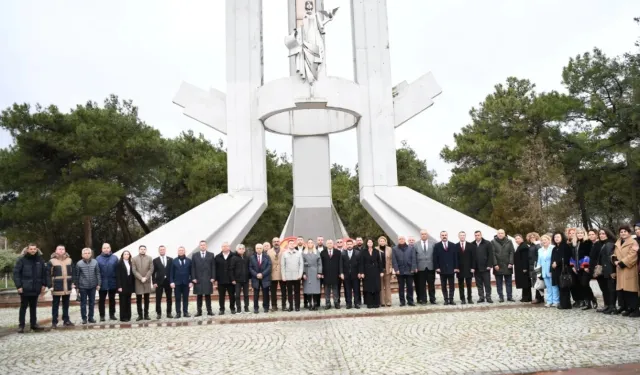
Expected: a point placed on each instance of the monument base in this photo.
(311, 222)
(224, 218)
(402, 211)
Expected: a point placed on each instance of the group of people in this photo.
(557, 266)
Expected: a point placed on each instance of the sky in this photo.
(67, 52)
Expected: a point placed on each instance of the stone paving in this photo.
(465, 340)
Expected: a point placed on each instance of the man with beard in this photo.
(446, 263)
(351, 275)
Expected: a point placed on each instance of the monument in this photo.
(309, 106)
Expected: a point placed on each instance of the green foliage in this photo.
(531, 161)
(8, 259)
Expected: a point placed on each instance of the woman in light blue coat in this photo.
(544, 262)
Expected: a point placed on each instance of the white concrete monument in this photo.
(308, 105)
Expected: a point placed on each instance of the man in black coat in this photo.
(445, 259)
(351, 273)
(203, 271)
(29, 277)
(223, 277)
(466, 261)
(160, 280)
(240, 277)
(331, 270)
(483, 262)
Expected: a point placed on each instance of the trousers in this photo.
(55, 304)
(507, 280)
(405, 281)
(223, 290)
(30, 302)
(242, 288)
(182, 298)
(102, 297)
(166, 289)
(125, 306)
(139, 298)
(483, 283)
(265, 296)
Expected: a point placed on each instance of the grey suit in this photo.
(426, 274)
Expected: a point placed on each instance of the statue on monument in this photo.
(307, 45)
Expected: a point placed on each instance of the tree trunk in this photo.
(633, 173)
(122, 223)
(88, 232)
(584, 216)
(136, 215)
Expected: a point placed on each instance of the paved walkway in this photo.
(432, 340)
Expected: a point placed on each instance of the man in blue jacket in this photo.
(260, 270)
(108, 264)
(180, 280)
(404, 266)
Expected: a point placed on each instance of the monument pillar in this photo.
(312, 213)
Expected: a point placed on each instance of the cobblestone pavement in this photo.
(466, 341)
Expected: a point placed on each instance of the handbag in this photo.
(597, 271)
(540, 285)
(566, 280)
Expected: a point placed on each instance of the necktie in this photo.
(349, 254)
(330, 253)
(182, 262)
(445, 245)
(463, 247)
(424, 245)
(202, 255)
(163, 262)
(259, 260)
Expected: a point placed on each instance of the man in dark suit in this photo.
(160, 280)
(483, 261)
(203, 271)
(223, 278)
(466, 261)
(260, 270)
(180, 281)
(351, 274)
(331, 270)
(446, 263)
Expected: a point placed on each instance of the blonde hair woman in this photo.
(311, 275)
(387, 262)
(544, 262)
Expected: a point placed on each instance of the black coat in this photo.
(331, 267)
(30, 274)
(445, 260)
(203, 270)
(160, 273)
(561, 255)
(466, 260)
(223, 268)
(604, 259)
(521, 266)
(372, 267)
(483, 254)
(240, 268)
(594, 255)
(351, 267)
(124, 281)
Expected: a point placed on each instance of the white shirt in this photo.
(203, 253)
(225, 256)
(163, 260)
(259, 258)
(126, 264)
